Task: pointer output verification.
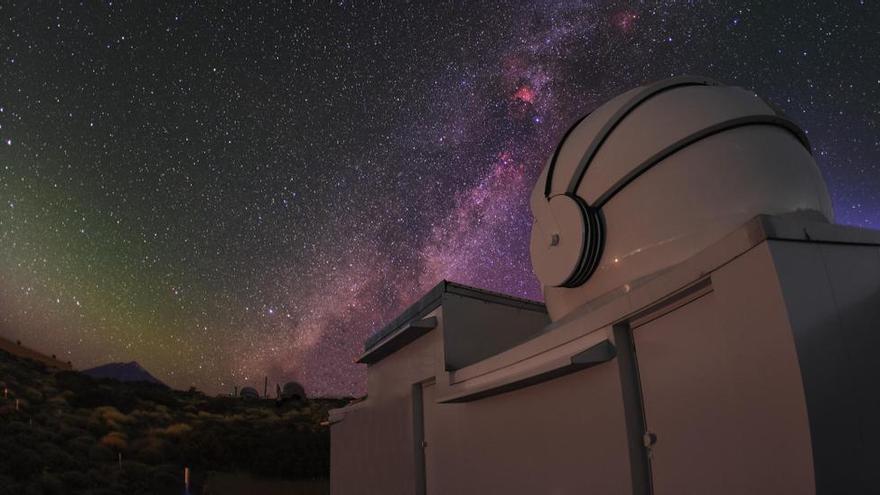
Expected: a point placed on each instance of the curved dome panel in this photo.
(669, 168)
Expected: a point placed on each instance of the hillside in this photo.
(71, 433)
(17, 349)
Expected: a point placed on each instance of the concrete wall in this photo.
(373, 446)
(568, 434)
(832, 292)
(722, 389)
(760, 380)
(565, 436)
(476, 329)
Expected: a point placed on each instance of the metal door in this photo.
(714, 412)
(423, 400)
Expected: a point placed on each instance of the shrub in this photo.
(80, 445)
(111, 417)
(148, 449)
(56, 457)
(51, 485)
(101, 453)
(73, 428)
(8, 486)
(24, 464)
(75, 479)
(175, 430)
(115, 440)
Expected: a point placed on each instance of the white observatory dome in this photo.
(249, 393)
(657, 174)
(293, 391)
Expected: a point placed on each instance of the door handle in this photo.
(649, 439)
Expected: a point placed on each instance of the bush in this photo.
(80, 445)
(175, 430)
(57, 458)
(111, 417)
(24, 464)
(150, 450)
(115, 440)
(75, 479)
(74, 427)
(8, 486)
(101, 453)
(51, 485)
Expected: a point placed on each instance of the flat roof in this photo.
(404, 328)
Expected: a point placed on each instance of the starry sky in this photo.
(224, 191)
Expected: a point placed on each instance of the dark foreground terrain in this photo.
(69, 433)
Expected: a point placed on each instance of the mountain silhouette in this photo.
(123, 372)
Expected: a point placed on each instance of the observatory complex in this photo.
(708, 329)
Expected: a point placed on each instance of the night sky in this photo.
(224, 192)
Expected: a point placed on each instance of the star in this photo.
(272, 184)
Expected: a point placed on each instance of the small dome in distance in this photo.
(249, 393)
(293, 391)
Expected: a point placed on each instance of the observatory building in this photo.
(249, 393)
(708, 328)
(293, 391)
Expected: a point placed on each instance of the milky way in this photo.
(227, 192)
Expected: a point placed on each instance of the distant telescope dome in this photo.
(657, 174)
(293, 391)
(249, 393)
